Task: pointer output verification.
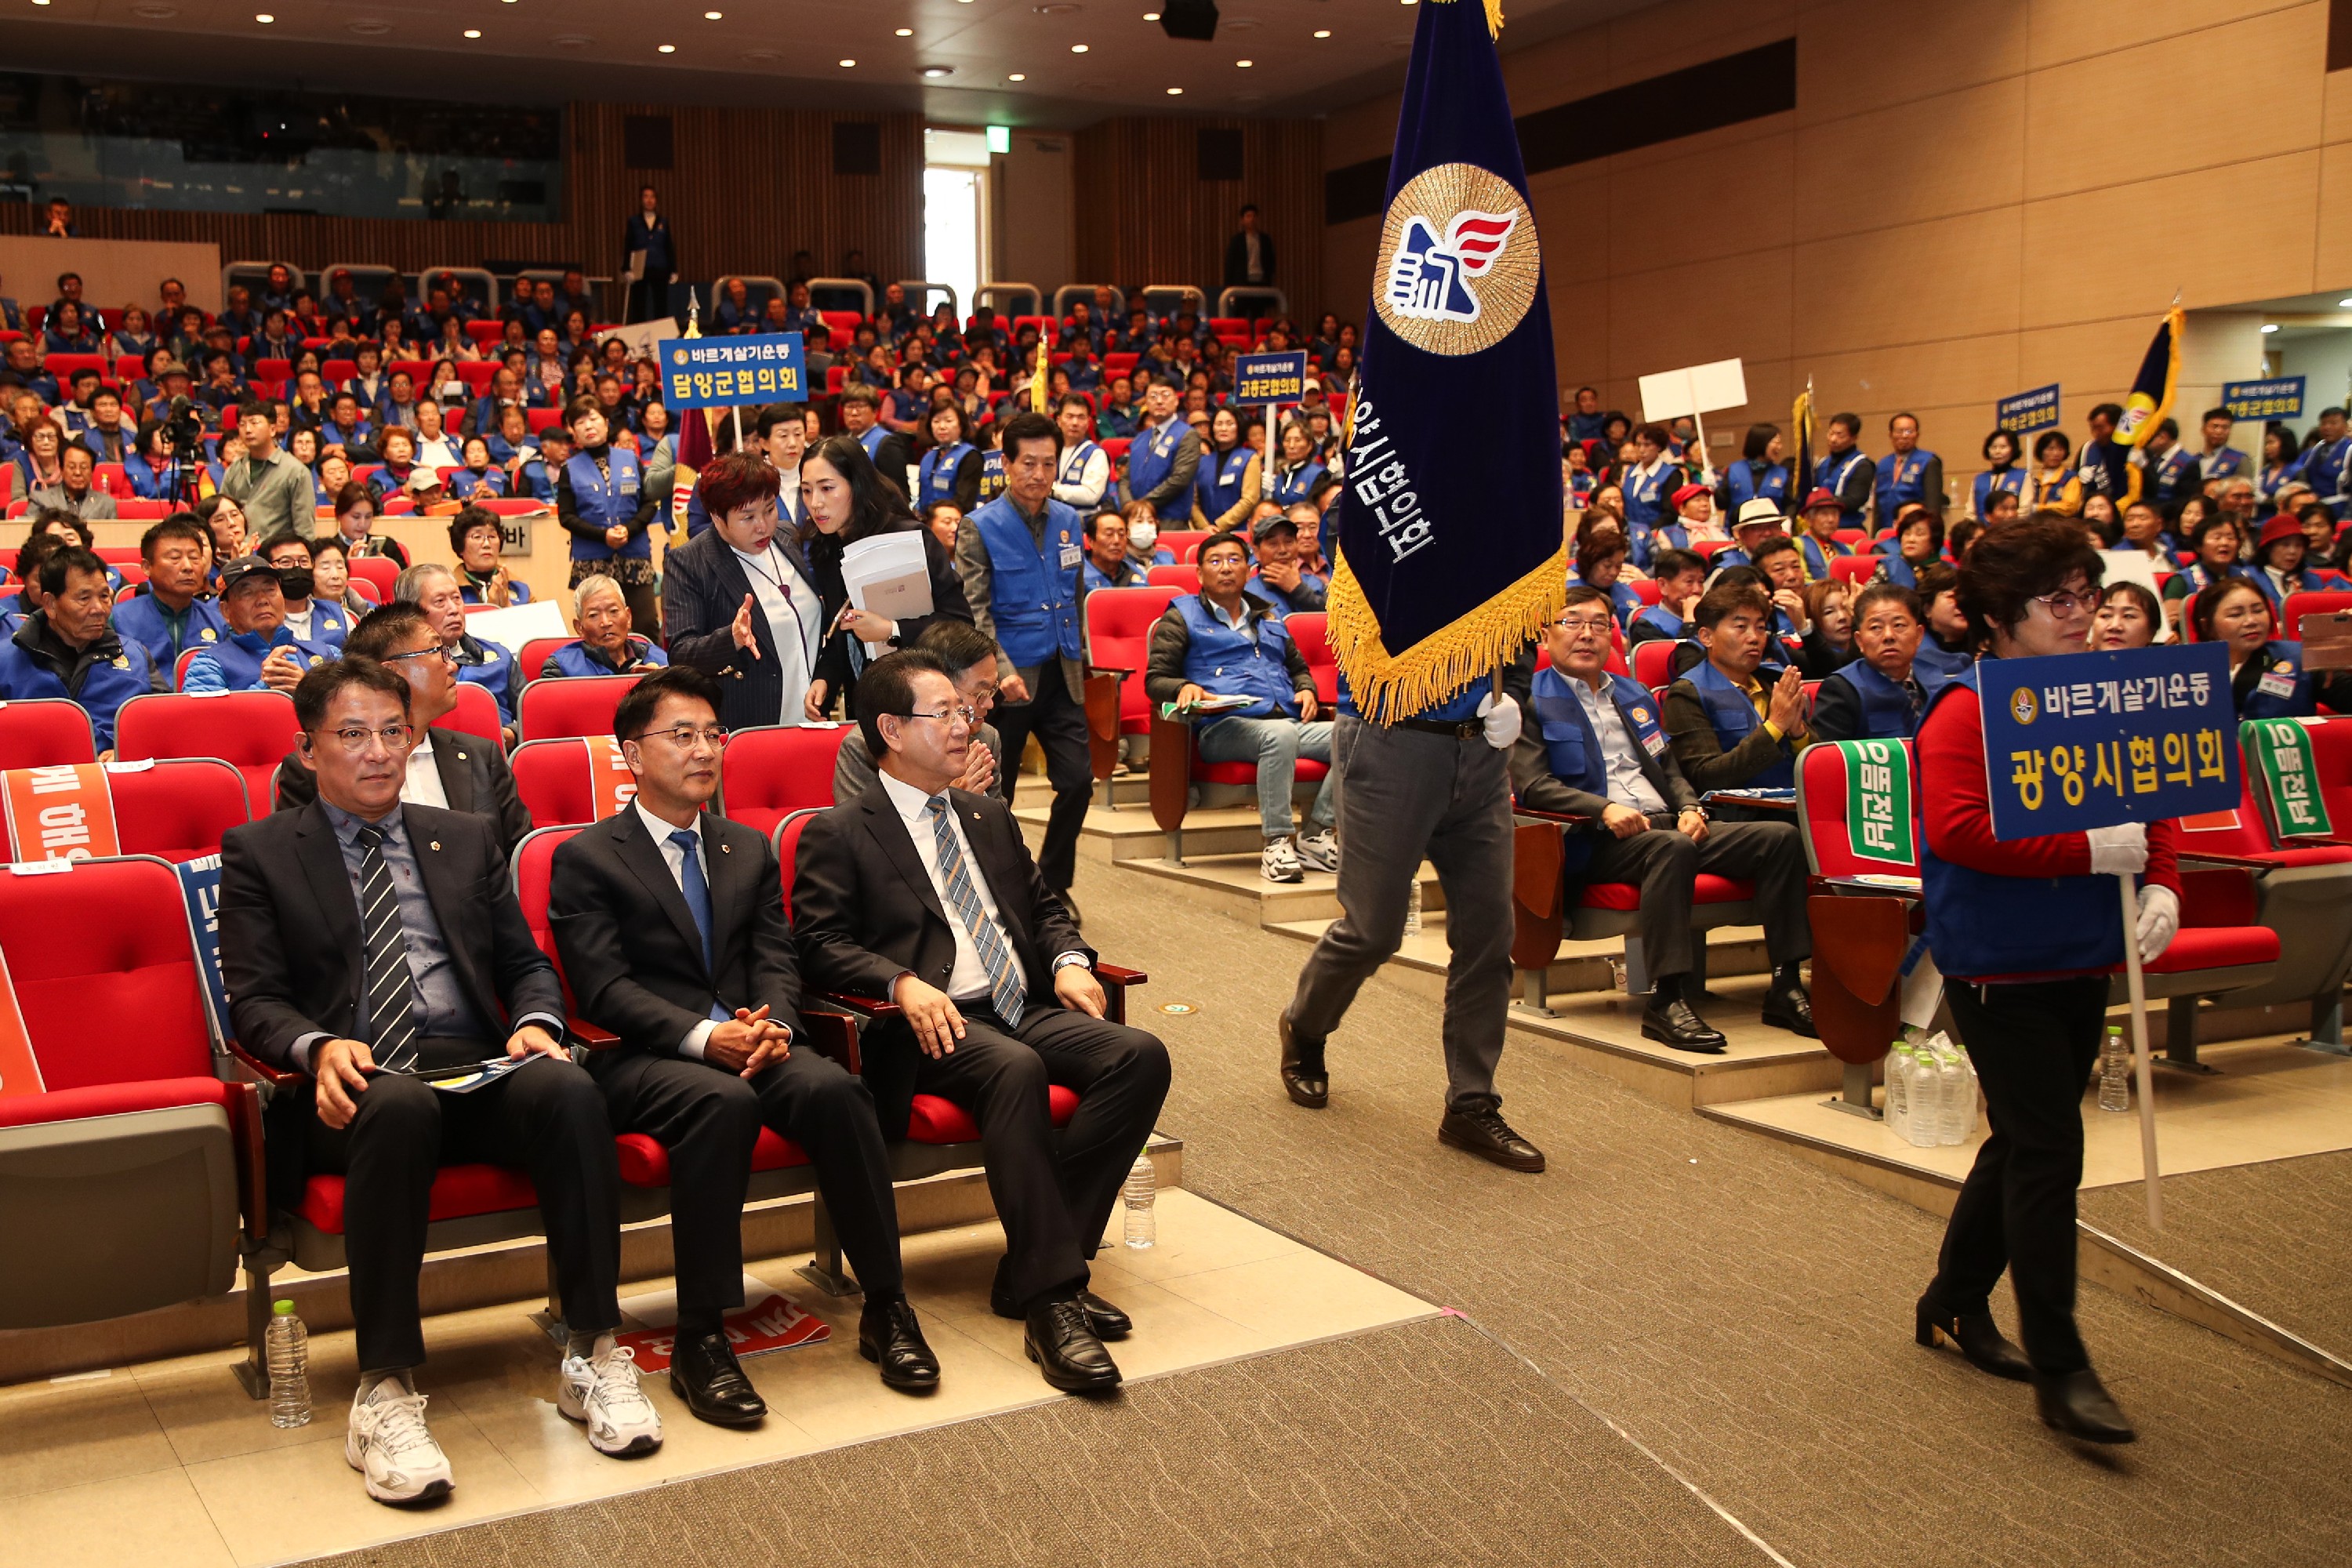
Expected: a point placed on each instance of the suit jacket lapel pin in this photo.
(437, 843)
(727, 848)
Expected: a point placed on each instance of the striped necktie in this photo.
(1005, 989)
(390, 992)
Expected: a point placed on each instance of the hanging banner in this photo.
(2282, 750)
(60, 813)
(1878, 802)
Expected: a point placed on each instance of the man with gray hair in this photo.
(600, 614)
(433, 588)
(969, 654)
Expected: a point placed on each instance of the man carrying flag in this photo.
(2106, 465)
(1445, 570)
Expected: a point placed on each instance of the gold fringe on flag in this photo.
(1039, 393)
(1387, 686)
(1494, 15)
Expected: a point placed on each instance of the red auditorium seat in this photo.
(253, 731)
(64, 365)
(558, 782)
(1186, 579)
(772, 771)
(1654, 662)
(379, 572)
(1310, 630)
(1184, 543)
(2326, 603)
(477, 713)
(1854, 568)
(176, 808)
(165, 1156)
(580, 705)
(537, 652)
(43, 732)
(1118, 643)
(539, 419)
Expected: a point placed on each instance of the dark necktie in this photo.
(697, 888)
(1005, 989)
(392, 1014)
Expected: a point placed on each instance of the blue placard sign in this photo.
(2277, 399)
(1270, 378)
(2080, 740)
(200, 881)
(2026, 410)
(721, 372)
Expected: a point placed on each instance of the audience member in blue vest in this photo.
(2002, 473)
(1224, 643)
(2128, 617)
(950, 470)
(1298, 477)
(476, 539)
(311, 620)
(601, 497)
(1757, 520)
(1737, 718)
(1878, 696)
(1681, 577)
(1592, 748)
(2267, 679)
(1108, 565)
(260, 652)
(1600, 563)
(66, 648)
(1084, 480)
(2102, 468)
(1846, 470)
(606, 645)
(1585, 421)
(2217, 544)
(1649, 486)
(1229, 480)
(1164, 459)
(1819, 544)
(1281, 582)
(2326, 463)
(173, 612)
(1143, 546)
(2278, 564)
(1762, 474)
(433, 588)
(1943, 651)
(1918, 541)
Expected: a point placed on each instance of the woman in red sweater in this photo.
(2027, 933)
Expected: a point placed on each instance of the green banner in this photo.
(1878, 801)
(2282, 747)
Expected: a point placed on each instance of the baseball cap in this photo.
(242, 569)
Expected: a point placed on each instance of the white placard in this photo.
(1694, 389)
(517, 624)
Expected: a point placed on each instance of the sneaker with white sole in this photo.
(603, 1393)
(388, 1444)
(1320, 849)
(1280, 862)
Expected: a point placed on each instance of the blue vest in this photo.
(604, 502)
(495, 675)
(140, 619)
(1829, 473)
(2323, 469)
(1982, 923)
(1148, 462)
(1899, 481)
(2012, 479)
(1218, 480)
(1292, 486)
(1221, 659)
(465, 482)
(2164, 479)
(574, 657)
(1895, 568)
(239, 656)
(1935, 666)
(1647, 541)
(1819, 554)
(330, 624)
(1744, 485)
(1886, 706)
(1032, 593)
(1132, 571)
(1661, 619)
(1733, 718)
(1646, 497)
(938, 473)
(872, 439)
(2285, 658)
(1573, 751)
(106, 685)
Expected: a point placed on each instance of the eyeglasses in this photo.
(684, 736)
(960, 711)
(443, 654)
(1572, 625)
(2067, 602)
(355, 740)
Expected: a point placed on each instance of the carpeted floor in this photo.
(2276, 1238)
(1744, 1315)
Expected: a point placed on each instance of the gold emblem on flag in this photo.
(1459, 264)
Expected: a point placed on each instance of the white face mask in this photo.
(1142, 535)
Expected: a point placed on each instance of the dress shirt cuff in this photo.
(1064, 960)
(300, 1049)
(1773, 730)
(547, 1021)
(696, 1039)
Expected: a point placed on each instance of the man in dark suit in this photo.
(927, 895)
(1595, 748)
(368, 944)
(650, 260)
(671, 925)
(1249, 254)
(448, 768)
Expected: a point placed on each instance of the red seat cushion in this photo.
(645, 1163)
(457, 1191)
(1707, 889)
(1309, 771)
(936, 1120)
(111, 1099)
(2217, 947)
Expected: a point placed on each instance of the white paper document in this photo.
(887, 573)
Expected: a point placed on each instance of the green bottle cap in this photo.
(282, 1308)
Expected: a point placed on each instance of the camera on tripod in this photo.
(184, 428)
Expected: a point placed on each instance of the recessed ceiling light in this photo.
(1322, 32)
(1175, 92)
(1077, 48)
(473, 32)
(906, 32)
(264, 18)
(666, 49)
(712, 15)
(155, 13)
(368, 27)
(847, 64)
(934, 72)
(2270, 326)
(1246, 64)
(571, 40)
(1152, 15)
(1018, 76)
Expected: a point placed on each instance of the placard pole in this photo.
(2138, 982)
(738, 412)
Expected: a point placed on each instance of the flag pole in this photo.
(2149, 1174)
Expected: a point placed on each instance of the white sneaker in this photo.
(1320, 849)
(1280, 862)
(387, 1443)
(603, 1393)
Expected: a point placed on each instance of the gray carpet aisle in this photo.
(1743, 1314)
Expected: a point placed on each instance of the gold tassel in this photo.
(1387, 686)
(1494, 15)
(1037, 387)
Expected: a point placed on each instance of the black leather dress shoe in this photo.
(1671, 1022)
(1786, 1007)
(1486, 1134)
(709, 1382)
(1977, 1337)
(1109, 1322)
(890, 1337)
(1303, 1078)
(2078, 1406)
(1061, 1339)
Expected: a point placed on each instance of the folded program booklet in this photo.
(888, 575)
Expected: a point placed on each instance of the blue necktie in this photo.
(1005, 987)
(697, 904)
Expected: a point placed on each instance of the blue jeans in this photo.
(1274, 745)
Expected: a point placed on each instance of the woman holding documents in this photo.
(738, 601)
(2026, 932)
(881, 575)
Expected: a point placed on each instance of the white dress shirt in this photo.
(1627, 786)
(795, 620)
(423, 785)
(1082, 481)
(967, 981)
(674, 856)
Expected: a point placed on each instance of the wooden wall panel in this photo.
(749, 187)
(1145, 216)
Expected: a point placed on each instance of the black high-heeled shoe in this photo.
(1977, 1336)
(2077, 1404)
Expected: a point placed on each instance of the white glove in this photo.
(2118, 851)
(1502, 716)
(2159, 918)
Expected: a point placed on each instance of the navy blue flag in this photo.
(1449, 547)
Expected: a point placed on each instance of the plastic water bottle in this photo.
(2115, 1070)
(1898, 1091)
(1953, 1127)
(1969, 1100)
(1927, 1099)
(1412, 906)
(1142, 1229)
(286, 1347)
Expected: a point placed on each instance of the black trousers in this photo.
(546, 1119)
(649, 297)
(1664, 863)
(1053, 1199)
(2033, 1046)
(709, 1119)
(1058, 717)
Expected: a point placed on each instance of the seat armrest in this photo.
(277, 1077)
(2254, 863)
(253, 1161)
(865, 1007)
(1564, 818)
(1115, 983)
(590, 1036)
(831, 1034)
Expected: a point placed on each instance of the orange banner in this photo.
(64, 813)
(20, 1070)
(611, 785)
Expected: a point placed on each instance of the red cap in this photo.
(1823, 496)
(2278, 527)
(1685, 493)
